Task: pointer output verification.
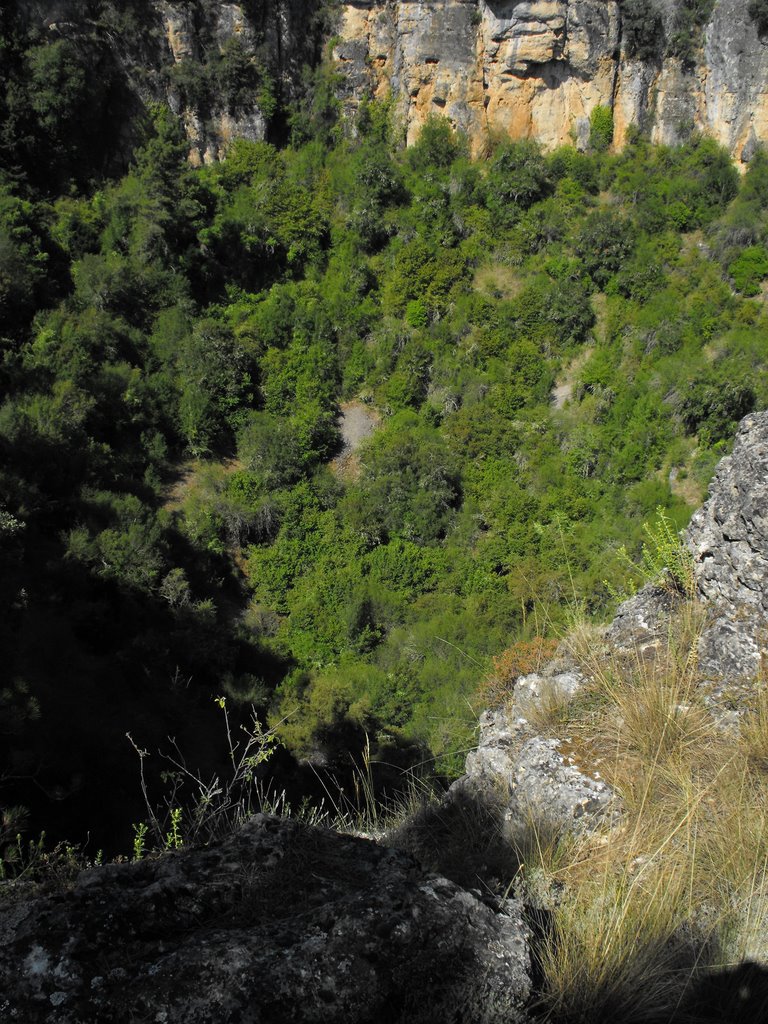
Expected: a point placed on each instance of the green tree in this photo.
(642, 29)
(749, 269)
(604, 242)
(437, 146)
(712, 406)
(518, 175)
(409, 487)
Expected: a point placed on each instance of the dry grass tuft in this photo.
(680, 887)
(754, 731)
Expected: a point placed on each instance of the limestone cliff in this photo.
(524, 68)
(224, 68)
(536, 68)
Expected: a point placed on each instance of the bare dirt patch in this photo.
(357, 422)
(563, 389)
(686, 487)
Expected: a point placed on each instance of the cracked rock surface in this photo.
(728, 537)
(279, 923)
(531, 778)
(729, 534)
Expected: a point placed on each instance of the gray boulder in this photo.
(278, 923)
(533, 781)
(728, 537)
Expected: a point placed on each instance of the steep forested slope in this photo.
(551, 347)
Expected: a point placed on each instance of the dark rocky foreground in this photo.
(280, 922)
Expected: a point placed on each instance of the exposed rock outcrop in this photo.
(530, 778)
(728, 540)
(728, 537)
(550, 782)
(525, 68)
(729, 534)
(210, 131)
(537, 68)
(173, 57)
(279, 923)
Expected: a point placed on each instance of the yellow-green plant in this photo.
(173, 839)
(664, 560)
(139, 839)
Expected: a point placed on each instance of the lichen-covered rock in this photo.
(641, 622)
(529, 779)
(729, 534)
(279, 923)
(550, 787)
(728, 537)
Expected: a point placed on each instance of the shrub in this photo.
(665, 557)
(690, 18)
(522, 658)
(604, 243)
(600, 128)
(437, 146)
(518, 176)
(416, 314)
(749, 269)
(643, 29)
(758, 12)
(712, 406)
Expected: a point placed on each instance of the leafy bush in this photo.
(749, 269)
(758, 12)
(600, 128)
(713, 406)
(604, 242)
(690, 18)
(517, 177)
(409, 487)
(436, 147)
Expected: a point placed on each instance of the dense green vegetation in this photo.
(552, 346)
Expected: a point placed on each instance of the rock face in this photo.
(728, 540)
(533, 69)
(173, 57)
(524, 68)
(729, 534)
(211, 131)
(537, 68)
(550, 782)
(531, 779)
(279, 923)
(728, 537)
